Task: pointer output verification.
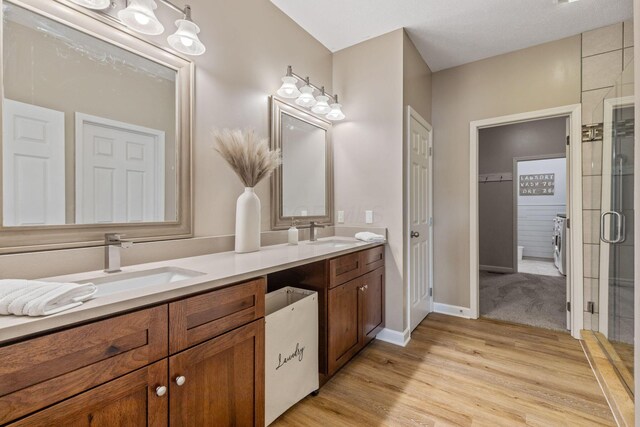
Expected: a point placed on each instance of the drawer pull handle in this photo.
(180, 380)
(161, 391)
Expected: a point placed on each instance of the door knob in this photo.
(180, 380)
(415, 234)
(161, 391)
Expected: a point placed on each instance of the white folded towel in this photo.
(35, 298)
(366, 236)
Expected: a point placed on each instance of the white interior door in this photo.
(33, 165)
(120, 172)
(419, 218)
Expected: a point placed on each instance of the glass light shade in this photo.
(306, 98)
(289, 88)
(139, 17)
(93, 4)
(185, 39)
(336, 113)
(321, 106)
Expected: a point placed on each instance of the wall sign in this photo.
(537, 185)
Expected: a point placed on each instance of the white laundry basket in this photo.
(291, 349)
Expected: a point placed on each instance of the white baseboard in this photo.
(496, 269)
(452, 310)
(394, 337)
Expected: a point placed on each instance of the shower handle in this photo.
(619, 237)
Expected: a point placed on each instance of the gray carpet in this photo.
(528, 299)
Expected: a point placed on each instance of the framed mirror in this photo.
(302, 187)
(96, 131)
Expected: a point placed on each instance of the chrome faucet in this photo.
(312, 230)
(112, 244)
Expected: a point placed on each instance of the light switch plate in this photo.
(368, 217)
(340, 217)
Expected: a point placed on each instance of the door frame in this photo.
(80, 120)
(603, 281)
(412, 113)
(574, 112)
(515, 196)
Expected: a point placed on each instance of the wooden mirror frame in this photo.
(47, 237)
(278, 221)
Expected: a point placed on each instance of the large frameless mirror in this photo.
(95, 130)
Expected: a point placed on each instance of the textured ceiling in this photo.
(453, 32)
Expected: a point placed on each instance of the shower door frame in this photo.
(607, 142)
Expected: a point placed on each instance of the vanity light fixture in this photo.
(305, 96)
(321, 107)
(186, 39)
(289, 89)
(336, 113)
(139, 16)
(93, 4)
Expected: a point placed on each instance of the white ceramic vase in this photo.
(248, 222)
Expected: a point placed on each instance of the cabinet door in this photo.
(372, 304)
(43, 371)
(222, 380)
(131, 400)
(344, 329)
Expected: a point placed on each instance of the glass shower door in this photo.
(616, 233)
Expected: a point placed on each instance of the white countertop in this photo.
(220, 269)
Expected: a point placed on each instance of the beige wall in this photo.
(368, 148)
(539, 77)
(247, 54)
(377, 79)
(416, 86)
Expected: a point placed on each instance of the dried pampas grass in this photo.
(247, 154)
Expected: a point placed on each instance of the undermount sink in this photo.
(335, 243)
(122, 282)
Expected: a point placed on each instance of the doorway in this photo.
(570, 117)
(419, 218)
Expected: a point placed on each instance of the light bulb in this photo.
(185, 39)
(139, 17)
(321, 106)
(336, 113)
(306, 98)
(93, 4)
(289, 88)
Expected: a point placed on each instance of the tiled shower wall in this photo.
(606, 52)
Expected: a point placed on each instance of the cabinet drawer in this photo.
(130, 400)
(344, 268)
(371, 259)
(42, 371)
(197, 319)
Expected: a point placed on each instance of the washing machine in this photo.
(560, 243)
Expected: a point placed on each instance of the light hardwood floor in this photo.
(461, 372)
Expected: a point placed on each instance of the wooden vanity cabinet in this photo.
(350, 302)
(197, 361)
(356, 315)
